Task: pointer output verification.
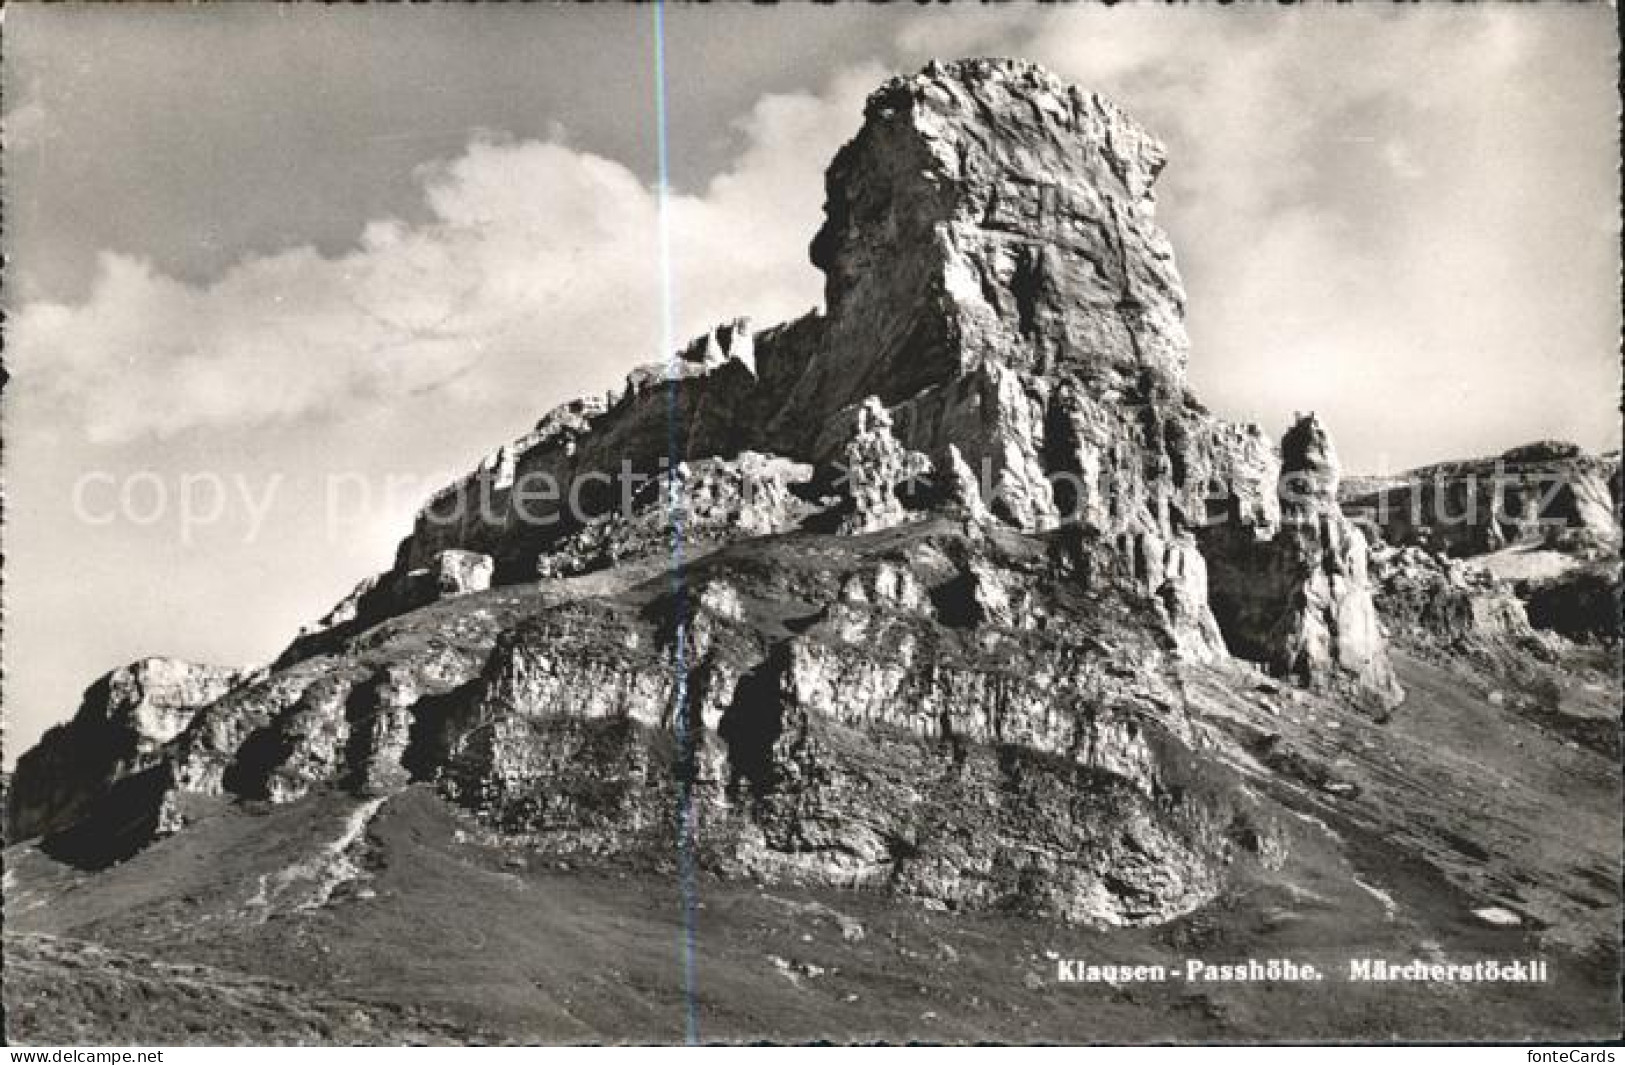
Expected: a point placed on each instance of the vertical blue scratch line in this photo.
(674, 457)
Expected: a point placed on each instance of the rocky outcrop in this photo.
(449, 573)
(1301, 601)
(1549, 493)
(951, 720)
(1435, 602)
(990, 213)
(876, 468)
(577, 465)
(1541, 521)
(124, 721)
(461, 572)
(962, 491)
(695, 506)
(343, 719)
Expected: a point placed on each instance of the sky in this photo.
(275, 273)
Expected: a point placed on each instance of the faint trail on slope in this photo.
(317, 877)
(1389, 907)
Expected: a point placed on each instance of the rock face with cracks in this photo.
(1548, 493)
(902, 595)
(1442, 602)
(1536, 527)
(1301, 601)
(123, 725)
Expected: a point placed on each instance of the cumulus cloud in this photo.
(538, 267)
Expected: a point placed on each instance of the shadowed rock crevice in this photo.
(122, 726)
(437, 722)
(116, 824)
(249, 774)
(752, 725)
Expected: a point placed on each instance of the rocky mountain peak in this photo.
(153, 698)
(124, 721)
(989, 212)
(1309, 469)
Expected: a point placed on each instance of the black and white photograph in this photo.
(670, 524)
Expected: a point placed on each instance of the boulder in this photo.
(461, 572)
